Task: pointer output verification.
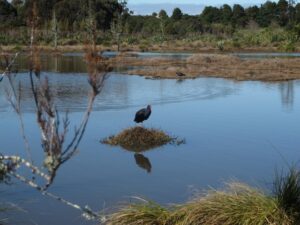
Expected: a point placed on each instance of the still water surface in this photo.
(233, 130)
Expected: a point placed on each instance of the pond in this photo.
(233, 130)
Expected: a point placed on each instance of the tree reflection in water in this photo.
(287, 94)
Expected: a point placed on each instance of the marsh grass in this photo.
(287, 192)
(147, 213)
(139, 139)
(220, 65)
(238, 204)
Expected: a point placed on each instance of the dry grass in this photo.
(139, 139)
(147, 213)
(217, 65)
(237, 205)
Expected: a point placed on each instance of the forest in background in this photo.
(67, 22)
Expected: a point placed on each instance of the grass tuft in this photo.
(148, 213)
(287, 192)
(239, 204)
(140, 139)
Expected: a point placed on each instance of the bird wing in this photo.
(140, 112)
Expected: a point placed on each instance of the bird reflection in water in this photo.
(143, 162)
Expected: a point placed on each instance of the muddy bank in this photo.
(214, 65)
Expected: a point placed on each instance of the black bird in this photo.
(180, 74)
(142, 114)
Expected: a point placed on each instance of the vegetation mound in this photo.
(238, 204)
(139, 139)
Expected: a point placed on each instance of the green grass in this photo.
(139, 139)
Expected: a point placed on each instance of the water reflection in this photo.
(55, 63)
(68, 82)
(287, 94)
(143, 162)
(120, 91)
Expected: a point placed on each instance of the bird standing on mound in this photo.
(142, 114)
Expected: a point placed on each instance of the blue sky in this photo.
(201, 2)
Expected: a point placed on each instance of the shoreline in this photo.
(136, 48)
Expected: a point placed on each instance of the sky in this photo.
(200, 2)
(192, 7)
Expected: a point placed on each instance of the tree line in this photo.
(113, 15)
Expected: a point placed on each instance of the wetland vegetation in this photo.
(225, 122)
(63, 24)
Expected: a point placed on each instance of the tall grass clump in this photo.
(147, 213)
(287, 192)
(238, 204)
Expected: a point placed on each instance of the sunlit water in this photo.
(233, 130)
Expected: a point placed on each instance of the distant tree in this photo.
(7, 13)
(210, 14)
(252, 13)
(297, 13)
(226, 13)
(163, 14)
(154, 14)
(118, 23)
(267, 14)
(17, 3)
(163, 17)
(104, 11)
(282, 12)
(177, 14)
(238, 16)
(291, 11)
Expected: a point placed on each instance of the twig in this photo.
(7, 69)
(18, 160)
(86, 210)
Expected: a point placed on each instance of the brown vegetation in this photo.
(215, 65)
(139, 139)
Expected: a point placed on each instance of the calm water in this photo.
(233, 130)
